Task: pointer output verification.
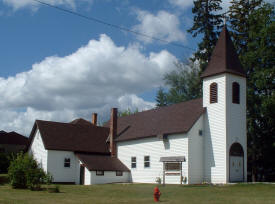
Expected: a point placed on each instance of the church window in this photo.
(67, 162)
(213, 93)
(146, 161)
(133, 162)
(200, 132)
(100, 173)
(235, 93)
(119, 173)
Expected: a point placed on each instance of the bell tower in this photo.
(224, 97)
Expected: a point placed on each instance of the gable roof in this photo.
(224, 58)
(12, 138)
(101, 162)
(177, 118)
(83, 137)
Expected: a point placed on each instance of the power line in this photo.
(113, 25)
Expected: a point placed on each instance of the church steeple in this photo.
(224, 58)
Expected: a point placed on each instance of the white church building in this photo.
(201, 140)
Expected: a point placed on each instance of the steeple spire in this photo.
(224, 58)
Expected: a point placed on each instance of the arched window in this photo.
(236, 150)
(213, 93)
(235, 93)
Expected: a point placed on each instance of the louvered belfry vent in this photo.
(213, 93)
(235, 93)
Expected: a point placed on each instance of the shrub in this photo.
(48, 179)
(35, 178)
(24, 172)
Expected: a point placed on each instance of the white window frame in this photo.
(147, 161)
(99, 173)
(119, 173)
(67, 161)
(133, 163)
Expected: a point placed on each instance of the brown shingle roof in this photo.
(224, 58)
(72, 137)
(101, 162)
(12, 138)
(177, 118)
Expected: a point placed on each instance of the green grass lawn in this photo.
(142, 193)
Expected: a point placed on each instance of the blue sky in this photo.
(31, 33)
(56, 66)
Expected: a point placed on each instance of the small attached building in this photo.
(99, 169)
(75, 152)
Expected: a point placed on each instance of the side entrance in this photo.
(236, 163)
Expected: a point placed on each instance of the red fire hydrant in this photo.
(157, 194)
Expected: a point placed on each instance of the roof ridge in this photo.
(162, 107)
(69, 123)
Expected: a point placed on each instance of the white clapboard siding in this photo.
(177, 145)
(108, 177)
(57, 169)
(215, 132)
(77, 171)
(195, 155)
(37, 149)
(236, 119)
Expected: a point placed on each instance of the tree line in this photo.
(252, 28)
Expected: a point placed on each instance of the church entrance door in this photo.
(236, 163)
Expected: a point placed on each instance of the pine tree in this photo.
(207, 21)
(161, 98)
(253, 29)
(239, 13)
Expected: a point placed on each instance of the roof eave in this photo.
(224, 72)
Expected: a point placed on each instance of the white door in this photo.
(236, 169)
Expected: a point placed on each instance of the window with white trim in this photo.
(67, 162)
(214, 93)
(119, 173)
(146, 161)
(133, 162)
(236, 93)
(100, 173)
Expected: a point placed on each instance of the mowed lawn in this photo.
(143, 193)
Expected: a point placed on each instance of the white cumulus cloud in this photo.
(163, 25)
(96, 77)
(181, 3)
(19, 4)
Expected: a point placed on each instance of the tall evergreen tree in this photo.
(239, 13)
(253, 28)
(161, 98)
(207, 21)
